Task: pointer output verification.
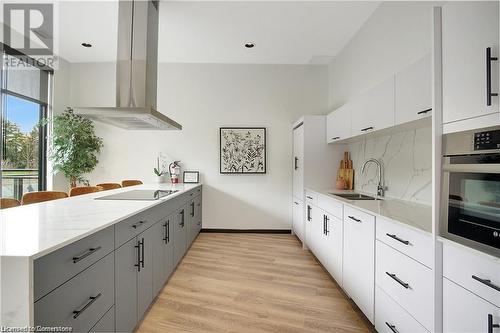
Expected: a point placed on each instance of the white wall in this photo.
(396, 35)
(203, 98)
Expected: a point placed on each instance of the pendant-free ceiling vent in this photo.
(136, 72)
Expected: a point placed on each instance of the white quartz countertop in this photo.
(412, 214)
(35, 230)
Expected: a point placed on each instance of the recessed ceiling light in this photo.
(86, 45)
(249, 45)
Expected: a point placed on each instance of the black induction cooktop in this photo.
(148, 195)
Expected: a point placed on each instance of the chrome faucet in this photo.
(380, 187)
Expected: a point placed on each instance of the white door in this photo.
(359, 259)
(316, 232)
(413, 91)
(338, 124)
(308, 225)
(464, 312)
(374, 110)
(469, 28)
(298, 162)
(333, 247)
(297, 218)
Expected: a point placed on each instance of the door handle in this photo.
(489, 59)
(138, 247)
(424, 111)
(336, 138)
(142, 253)
(393, 236)
(395, 278)
(167, 232)
(486, 282)
(355, 219)
(192, 209)
(92, 299)
(296, 163)
(367, 129)
(87, 253)
(308, 213)
(491, 325)
(324, 224)
(182, 218)
(327, 219)
(392, 327)
(138, 224)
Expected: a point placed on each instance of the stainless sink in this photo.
(354, 196)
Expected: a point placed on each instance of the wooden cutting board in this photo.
(346, 171)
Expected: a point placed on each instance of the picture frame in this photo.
(191, 177)
(242, 150)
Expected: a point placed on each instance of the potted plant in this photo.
(75, 147)
(160, 170)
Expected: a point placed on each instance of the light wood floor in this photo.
(251, 283)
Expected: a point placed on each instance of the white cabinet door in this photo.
(308, 225)
(413, 91)
(469, 27)
(338, 124)
(464, 312)
(298, 162)
(374, 110)
(332, 245)
(359, 259)
(297, 218)
(316, 245)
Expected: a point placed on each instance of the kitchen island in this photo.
(92, 265)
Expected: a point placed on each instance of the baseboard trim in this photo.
(247, 231)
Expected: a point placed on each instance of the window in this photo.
(24, 97)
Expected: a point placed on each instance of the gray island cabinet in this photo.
(106, 281)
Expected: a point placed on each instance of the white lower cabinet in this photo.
(359, 259)
(332, 246)
(390, 317)
(298, 219)
(407, 281)
(464, 312)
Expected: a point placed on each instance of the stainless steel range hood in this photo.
(136, 72)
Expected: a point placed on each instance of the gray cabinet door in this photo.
(159, 261)
(179, 238)
(126, 259)
(145, 274)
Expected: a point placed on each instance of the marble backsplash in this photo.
(406, 158)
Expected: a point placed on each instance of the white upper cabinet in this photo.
(338, 124)
(469, 29)
(374, 110)
(413, 91)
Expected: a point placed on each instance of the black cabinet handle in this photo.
(295, 202)
(182, 218)
(324, 224)
(336, 138)
(138, 224)
(354, 219)
(296, 163)
(491, 325)
(327, 219)
(486, 282)
(138, 247)
(142, 253)
(424, 111)
(87, 253)
(392, 327)
(192, 209)
(367, 129)
(308, 213)
(92, 299)
(489, 59)
(393, 236)
(395, 278)
(167, 232)
(308, 197)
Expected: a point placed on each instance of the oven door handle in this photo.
(472, 168)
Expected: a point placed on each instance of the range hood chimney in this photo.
(136, 72)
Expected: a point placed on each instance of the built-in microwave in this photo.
(471, 189)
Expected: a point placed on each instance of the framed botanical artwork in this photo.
(243, 150)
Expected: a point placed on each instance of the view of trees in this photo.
(20, 149)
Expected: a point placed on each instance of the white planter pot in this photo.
(161, 179)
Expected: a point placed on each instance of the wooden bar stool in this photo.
(79, 190)
(9, 203)
(41, 196)
(130, 182)
(109, 186)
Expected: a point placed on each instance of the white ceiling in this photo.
(285, 32)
